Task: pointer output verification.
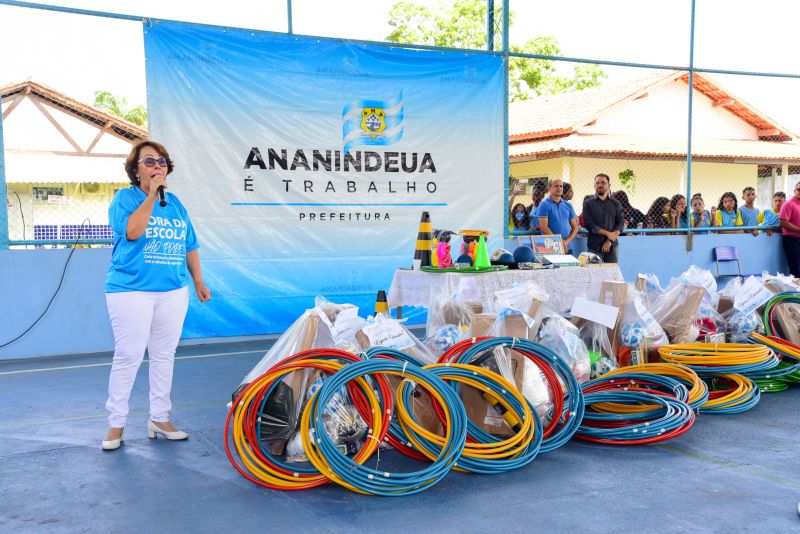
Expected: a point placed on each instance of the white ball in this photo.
(632, 334)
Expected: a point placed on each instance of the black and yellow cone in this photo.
(381, 306)
(424, 239)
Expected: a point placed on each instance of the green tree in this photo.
(463, 25)
(118, 106)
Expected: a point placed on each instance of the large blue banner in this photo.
(306, 163)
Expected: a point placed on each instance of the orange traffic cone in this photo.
(424, 238)
(381, 306)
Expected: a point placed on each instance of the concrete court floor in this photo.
(738, 473)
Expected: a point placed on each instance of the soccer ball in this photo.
(603, 365)
(740, 326)
(632, 334)
(446, 337)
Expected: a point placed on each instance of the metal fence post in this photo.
(289, 15)
(505, 114)
(3, 193)
(490, 25)
(689, 140)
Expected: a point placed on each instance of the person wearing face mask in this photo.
(155, 251)
(604, 220)
(519, 218)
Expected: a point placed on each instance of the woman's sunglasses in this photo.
(150, 161)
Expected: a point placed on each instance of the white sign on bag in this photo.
(596, 312)
(388, 333)
(751, 296)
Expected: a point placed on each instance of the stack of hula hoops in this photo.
(787, 372)
(635, 405)
(389, 416)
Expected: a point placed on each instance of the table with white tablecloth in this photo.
(413, 288)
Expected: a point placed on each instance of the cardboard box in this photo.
(482, 324)
(483, 414)
(679, 319)
(422, 405)
(301, 380)
(474, 306)
(641, 283)
(787, 317)
(614, 294)
(725, 304)
(478, 409)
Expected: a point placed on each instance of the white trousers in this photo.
(144, 319)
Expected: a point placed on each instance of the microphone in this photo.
(163, 201)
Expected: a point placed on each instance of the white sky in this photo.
(79, 55)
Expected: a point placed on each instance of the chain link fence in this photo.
(637, 132)
(63, 155)
(65, 145)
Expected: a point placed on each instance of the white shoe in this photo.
(112, 444)
(153, 430)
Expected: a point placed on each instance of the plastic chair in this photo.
(727, 254)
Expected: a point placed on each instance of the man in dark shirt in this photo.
(604, 220)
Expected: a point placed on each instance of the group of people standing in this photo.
(602, 216)
(675, 212)
(606, 215)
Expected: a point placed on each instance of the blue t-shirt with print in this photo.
(157, 260)
(705, 221)
(749, 216)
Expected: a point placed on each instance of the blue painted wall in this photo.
(667, 255)
(77, 322)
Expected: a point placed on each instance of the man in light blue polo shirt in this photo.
(556, 215)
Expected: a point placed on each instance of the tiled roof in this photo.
(636, 146)
(49, 96)
(563, 114)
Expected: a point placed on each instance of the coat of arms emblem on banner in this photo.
(373, 121)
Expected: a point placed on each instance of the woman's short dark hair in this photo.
(133, 158)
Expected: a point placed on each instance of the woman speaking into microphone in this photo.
(146, 288)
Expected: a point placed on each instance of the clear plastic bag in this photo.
(739, 326)
(525, 375)
(526, 298)
(650, 288)
(563, 338)
(316, 328)
(343, 321)
(342, 423)
(780, 282)
(695, 276)
(384, 331)
(709, 322)
(601, 355)
(387, 332)
(448, 321)
(676, 309)
(637, 315)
